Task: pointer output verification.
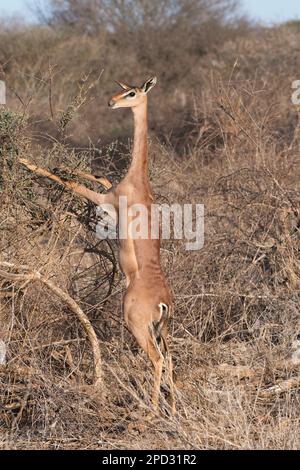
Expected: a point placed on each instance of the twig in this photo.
(231, 293)
(50, 90)
(281, 387)
(247, 371)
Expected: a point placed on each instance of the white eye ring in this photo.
(132, 94)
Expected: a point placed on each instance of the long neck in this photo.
(139, 163)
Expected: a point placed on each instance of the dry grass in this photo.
(236, 324)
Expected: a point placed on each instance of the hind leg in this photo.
(170, 371)
(156, 358)
(148, 343)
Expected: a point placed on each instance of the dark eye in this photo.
(132, 94)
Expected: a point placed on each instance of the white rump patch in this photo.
(163, 308)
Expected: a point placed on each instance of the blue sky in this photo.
(269, 11)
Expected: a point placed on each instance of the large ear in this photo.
(123, 85)
(149, 84)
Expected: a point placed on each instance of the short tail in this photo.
(157, 326)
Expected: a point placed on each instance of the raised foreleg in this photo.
(76, 188)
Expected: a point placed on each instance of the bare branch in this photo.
(281, 387)
(85, 322)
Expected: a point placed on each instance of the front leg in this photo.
(76, 188)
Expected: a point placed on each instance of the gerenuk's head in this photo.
(131, 96)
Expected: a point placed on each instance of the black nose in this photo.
(111, 103)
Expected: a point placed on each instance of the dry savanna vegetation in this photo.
(224, 133)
